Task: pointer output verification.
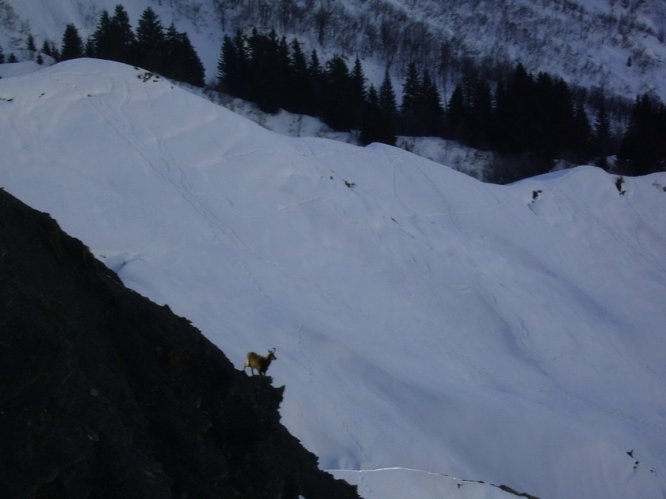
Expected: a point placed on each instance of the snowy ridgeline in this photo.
(427, 325)
(465, 159)
(403, 482)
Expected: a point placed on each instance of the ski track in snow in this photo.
(174, 175)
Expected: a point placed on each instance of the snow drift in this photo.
(508, 334)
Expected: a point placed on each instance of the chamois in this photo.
(259, 362)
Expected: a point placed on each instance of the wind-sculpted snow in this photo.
(423, 320)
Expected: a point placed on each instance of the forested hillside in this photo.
(537, 84)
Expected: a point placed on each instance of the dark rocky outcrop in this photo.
(104, 394)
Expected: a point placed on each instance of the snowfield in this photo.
(428, 326)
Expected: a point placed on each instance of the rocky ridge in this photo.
(106, 394)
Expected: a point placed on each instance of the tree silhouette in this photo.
(122, 37)
(232, 66)
(357, 91)
(316, 77)
(169, 53)
(409, 111)
(30, 45)
(338, 110)
(389, 109)
(72, 45)
(602, 135)
(387, 100)
(298, 93)
(150, 41)
(430, 106)
(180, 61)
(46, 49)
(643, 148)
(102, 40)
(375, 124)
(421, 111)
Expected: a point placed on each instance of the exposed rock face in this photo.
(105, 394)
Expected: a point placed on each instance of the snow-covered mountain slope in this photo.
(424, 321)
(446, 152)
(616, 45)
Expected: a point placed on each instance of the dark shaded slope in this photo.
(104, 394)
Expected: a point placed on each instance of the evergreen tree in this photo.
(89, 49)
(30, 44)
(122, 37)
(229, 73)
(535, 122)
(457, 116)
(411, 95)
(267, 73)
(298, 94)
(602, 135)
(338, 110)
(372, 119)
(12, 58)
(180, 60)
(387, 100)
(46, 49)
(481, 115)
(171, 45)
(517, 116)
(282, 70)
(542, 120)
(72, 45)
(515, 128)
(510, 112)
(2, 56)
(430, 107)
(150, 41)
(583, 140)
(389, 109)
(643, 148)
(375, 125)
(102, 40)
(114, 39)
(357, 93)
(316, 78)
(557, 121)
(421, 111)
(54, 51)
(469, 111)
